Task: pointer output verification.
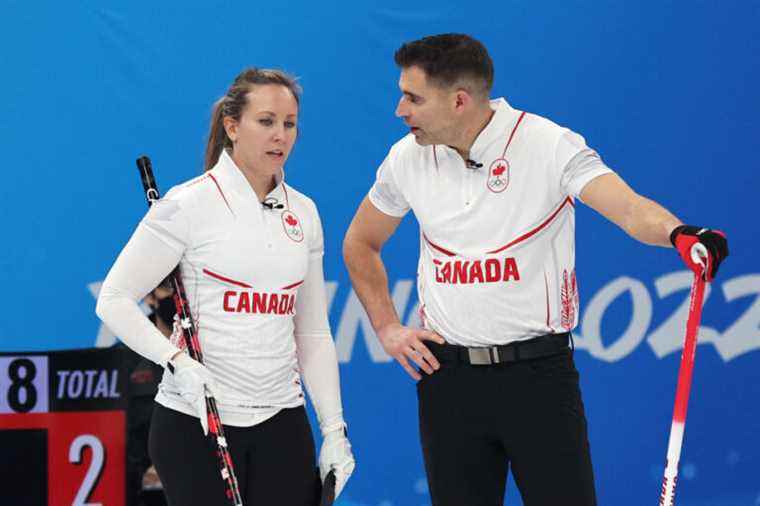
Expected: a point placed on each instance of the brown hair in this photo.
(234, 101)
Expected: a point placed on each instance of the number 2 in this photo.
(95, 469)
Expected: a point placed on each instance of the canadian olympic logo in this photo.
(498, 175)
(292, 226)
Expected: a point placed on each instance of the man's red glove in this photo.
(711, 248)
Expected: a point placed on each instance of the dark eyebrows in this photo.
(409, 94)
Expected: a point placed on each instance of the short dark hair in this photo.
(448, 58)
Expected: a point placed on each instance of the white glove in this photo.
(336, 455)
(194, 382)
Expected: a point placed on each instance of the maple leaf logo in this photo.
(569, 299)
(499, 170)
(567, 314)
(291, 221)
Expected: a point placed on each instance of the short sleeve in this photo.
(578, 164)
(385, 194)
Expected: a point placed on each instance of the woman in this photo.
(250, 249)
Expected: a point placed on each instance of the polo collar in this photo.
(496, 131)
(231, 176)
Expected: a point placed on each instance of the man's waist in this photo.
(515, 351)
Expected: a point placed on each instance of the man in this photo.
(494, 191)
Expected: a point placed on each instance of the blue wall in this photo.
(666, 92)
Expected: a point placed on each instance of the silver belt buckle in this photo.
(482, 356)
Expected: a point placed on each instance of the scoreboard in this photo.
(63, 428)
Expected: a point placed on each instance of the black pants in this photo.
(274, 461)
(478, 421)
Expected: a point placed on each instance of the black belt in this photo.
(542, 346)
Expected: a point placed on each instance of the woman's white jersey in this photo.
(254, 279)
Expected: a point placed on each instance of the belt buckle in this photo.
(483, 356)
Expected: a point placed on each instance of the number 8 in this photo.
(19, 383)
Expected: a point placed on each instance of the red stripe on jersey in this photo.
(221, 192)
(533, 232)
(285, 191)
(442, 250)
(192, 183)
(291, 286)
(226, 280)
(504, 153)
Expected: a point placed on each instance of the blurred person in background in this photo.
(143, 484)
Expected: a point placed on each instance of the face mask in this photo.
(166, 310)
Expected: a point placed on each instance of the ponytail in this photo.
(217, 136)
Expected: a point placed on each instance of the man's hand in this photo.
(713, 244)
(405, 343)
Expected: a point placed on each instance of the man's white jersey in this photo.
(497, 241)
(244, 267)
